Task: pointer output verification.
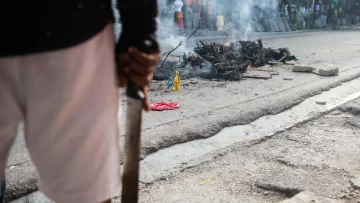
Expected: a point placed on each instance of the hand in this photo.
(139, 68)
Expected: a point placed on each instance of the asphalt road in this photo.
(208, 107)
(305, 154)
(317, 161)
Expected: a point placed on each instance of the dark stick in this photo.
(193, 32)
(169, 54)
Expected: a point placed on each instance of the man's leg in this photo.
(11, 110)
(71, 121)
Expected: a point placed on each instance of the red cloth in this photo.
(161, 106)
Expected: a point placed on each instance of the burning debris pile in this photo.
(225, 61)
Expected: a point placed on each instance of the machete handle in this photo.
(133, 90)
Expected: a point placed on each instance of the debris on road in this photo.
(321, 103)
(226, 61)
(241, 54)
(161, 106)
(303, 68)
(322, 70)
(288, 78)
(292, 63)
(176, 84)
(193, 82)
(328, 70)
(335, 113)
(257, 75)
(264, 69)
(207, 180)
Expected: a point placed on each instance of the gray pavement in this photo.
(317, 161)
(168, 162)
(208, 107)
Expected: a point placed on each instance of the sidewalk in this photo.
(314, 162)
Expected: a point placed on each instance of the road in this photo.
(318, 160)
(208, 107)
(305, 154)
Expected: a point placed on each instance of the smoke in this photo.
(168, 37)
(242, 15)
(247, 13)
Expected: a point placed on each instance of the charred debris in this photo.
(226, 61)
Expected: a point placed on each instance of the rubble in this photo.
(303, 68)
(257, 75)
(228, 61)
(328, 70)
(321, 102)
(321, 69)
(242, 53)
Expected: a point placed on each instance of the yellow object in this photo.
(219, 22)
(207, 180)
(177, 84)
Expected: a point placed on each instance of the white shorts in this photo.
(68, 100)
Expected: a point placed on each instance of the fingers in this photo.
(146, 105)
(144, 58)
(139, 68)
(141, 80)
(142, 66)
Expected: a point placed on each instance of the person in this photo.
(57, 73)
(289, 9)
